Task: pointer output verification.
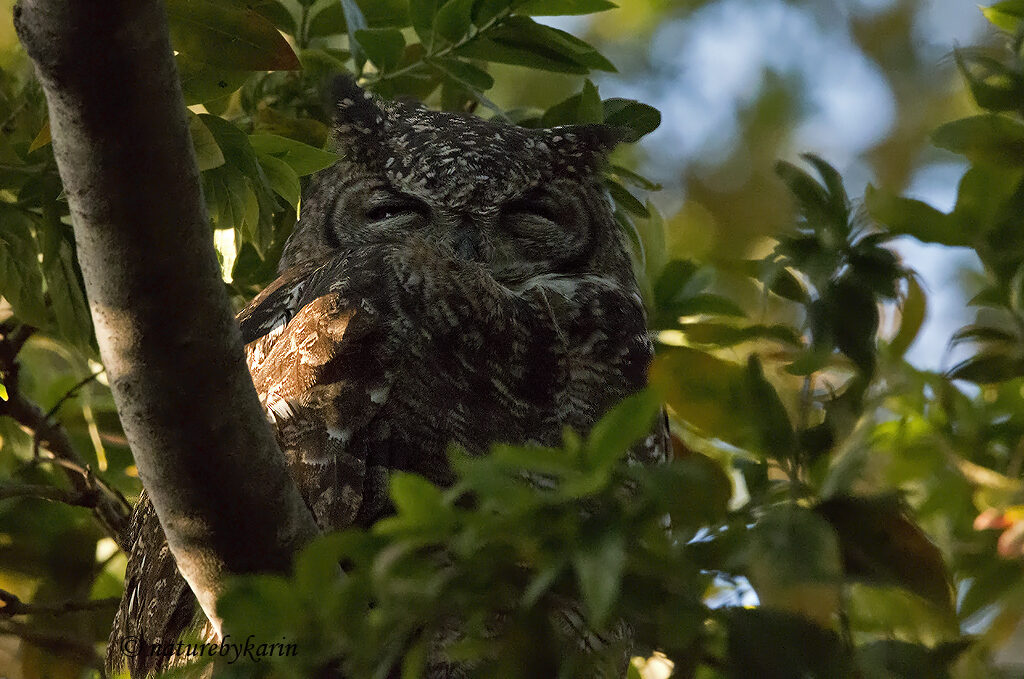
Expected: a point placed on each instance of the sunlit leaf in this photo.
(220, 35)
(302, 158)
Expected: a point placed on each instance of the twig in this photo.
(110, 508)
(48, 417)
(52, 493)
(13, 606)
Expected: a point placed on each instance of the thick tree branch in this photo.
(163, 320)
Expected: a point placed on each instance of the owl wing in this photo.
(324, 355)
(322, 365)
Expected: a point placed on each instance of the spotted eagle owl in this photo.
(451, 279)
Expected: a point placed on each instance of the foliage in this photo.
(816, 473)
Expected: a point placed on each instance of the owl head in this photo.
(519, 202)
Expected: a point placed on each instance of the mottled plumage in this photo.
(451, 280)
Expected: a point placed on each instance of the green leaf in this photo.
(21, 280)
(915, 218)
(625, 199)
(385, 47)
(328, 18)
(774, 430)
(565, 7)
(3, 392)
(704, 303)
(624, 425)
(282, 179)
(629, 177)
(202, 83)
(454, 19)
(638, 118)
(220, 35)
(208, 154)
(302, 158)
(233, 143)
(912, 315)
(880, 545)
(794, 563)
(987, 138)
(988, 368)
(769, 643)
(415, 497)
(695, 490)
(995, 86)
(703, 390)
(599, 565)
(422, 13)
(464, 73)
(523, 42)
(1006, 15)
(66, 296)
(847, 314)
(725, 335)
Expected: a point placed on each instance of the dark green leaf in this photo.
(302, 158)
(988, 368)
(625, 199)
(521, 41)
(623, 426)
(915, 218)
(638, 118)
(384, 46)
(912, 315)
(282, 179)
(422, 13)
(768, 643)
(230, 38)
(599, 566)
(565, 7)
(454, 19)
(208, 154)
(63, 287)
(21, 280)
(724, 335)
(464, 73)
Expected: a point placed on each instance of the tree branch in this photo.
(13, 606)
(163, 320)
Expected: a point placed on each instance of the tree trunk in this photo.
(163, 319)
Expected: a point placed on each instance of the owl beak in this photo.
(467, 243)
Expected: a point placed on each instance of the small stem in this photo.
(52, 493)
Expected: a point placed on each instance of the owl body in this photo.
(451, 281)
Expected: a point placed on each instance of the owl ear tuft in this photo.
(583, 148)
(358, 115)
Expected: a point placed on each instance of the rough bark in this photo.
(163, 320)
